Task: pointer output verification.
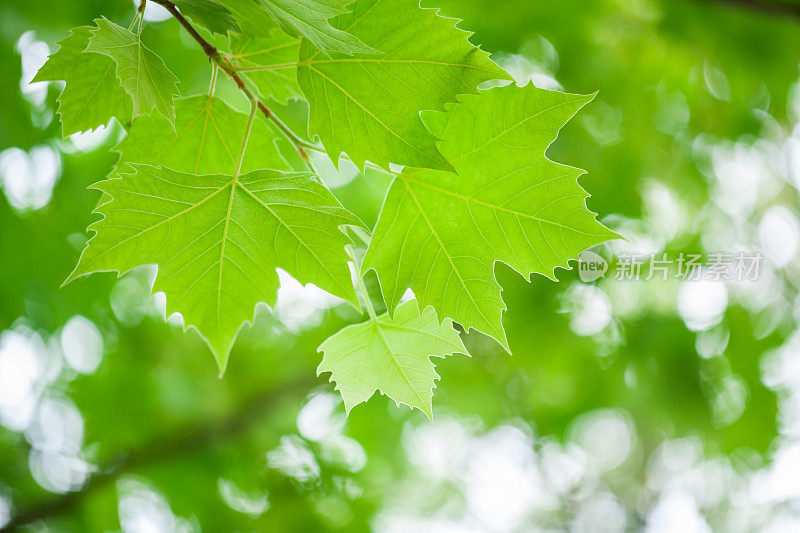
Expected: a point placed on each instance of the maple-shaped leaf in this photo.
(298, 18)
(206, 139)
(390, 354)
(92, 94)
(368, 106)
(270, 64)
(141, 71)
(210, 14)
(218, 240)
(440, 233)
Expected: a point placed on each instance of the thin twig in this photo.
(222, 62)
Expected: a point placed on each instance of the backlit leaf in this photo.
(218, 240)
(390, 354)
(440, 233)
(141, 71)
(210, 14)
(269, 63)
(92, 94)
(298, 18)
(368, 106)
(206, 139)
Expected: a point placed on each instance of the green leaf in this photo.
(298, 18)
(269, 64)
(217, 241)
(391, 355)
(140, 70)
(206, 140)
(92, 95)
(368, 106)
(210, 14)
(441, 233)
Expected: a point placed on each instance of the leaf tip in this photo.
(428, 411)
(222, 362)
(72, 277)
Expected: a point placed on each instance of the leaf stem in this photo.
(222, 62)
(299, 144)
(250, 120)
(139, 15)
(321, 150)
(362, 289)
(213, 84)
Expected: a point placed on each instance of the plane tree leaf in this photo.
(92, 94)
(213, 198)
(210, 14)
(368, 106)
(298, 18)
(270, 64)
(218, 240)
(390, 354)
(141, 71)
(440, 233)
(206, 139)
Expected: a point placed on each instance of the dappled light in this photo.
(648, 383)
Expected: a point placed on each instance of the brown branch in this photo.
(774, 7)
(219, 59)
(183, 442)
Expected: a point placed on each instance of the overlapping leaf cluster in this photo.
(203, 192)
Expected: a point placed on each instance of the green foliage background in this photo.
(677, 80)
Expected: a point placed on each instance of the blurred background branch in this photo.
(777, 7)
(182, 443)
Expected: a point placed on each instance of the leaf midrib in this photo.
(310, 61)
(406, 178)
(447, 254)
(377, 326)
(371, 114)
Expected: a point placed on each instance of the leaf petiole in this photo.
(213, 84)
(361, 288)
(250, 120)
(222, 62)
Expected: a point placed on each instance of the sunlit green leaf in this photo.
(217, 241)
(210, 14)
(440, 233)
(269, 63)
(368, 105)
(140, 70)
(206, 139)
(390, 354)
(92, 94)
(298, 18)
